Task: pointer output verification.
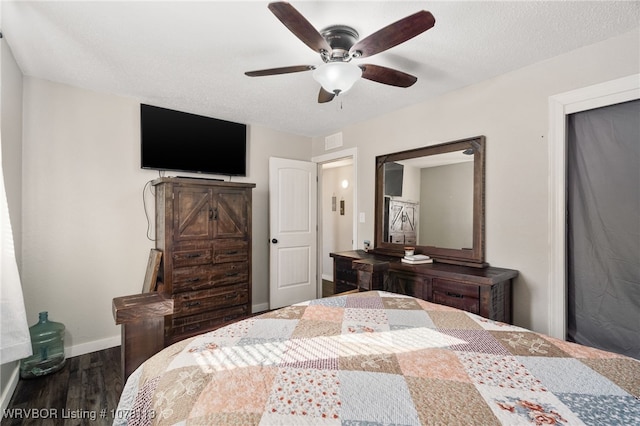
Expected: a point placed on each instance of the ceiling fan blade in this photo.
(386, 75)
(325, 96)
(281, 70)
(393, 34)
(299, 26)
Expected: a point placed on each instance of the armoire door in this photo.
(193, 213)
(230, 213)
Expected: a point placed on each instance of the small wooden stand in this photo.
(371, 273)
(142, 320)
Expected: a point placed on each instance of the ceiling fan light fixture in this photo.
(337, 77)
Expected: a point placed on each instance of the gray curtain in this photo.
(603, 228)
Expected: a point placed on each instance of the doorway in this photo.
(337, 211)
(560, 106)
(603, 228)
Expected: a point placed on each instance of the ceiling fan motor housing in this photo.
(341, 38)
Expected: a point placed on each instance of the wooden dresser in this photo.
(484, 291)
(203, 228)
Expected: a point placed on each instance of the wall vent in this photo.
(333, 141)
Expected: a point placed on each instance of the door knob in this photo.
(274, 241)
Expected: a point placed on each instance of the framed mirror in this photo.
(432, 199)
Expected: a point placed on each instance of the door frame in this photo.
(328, 158)
(560, 106)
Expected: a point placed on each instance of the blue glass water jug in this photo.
(47, 341)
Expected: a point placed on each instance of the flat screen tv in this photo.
(180, 141)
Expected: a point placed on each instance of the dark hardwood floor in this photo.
(84, 392)
(327, 288)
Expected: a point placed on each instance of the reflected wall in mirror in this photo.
(433, 198)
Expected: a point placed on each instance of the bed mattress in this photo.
(380, 358)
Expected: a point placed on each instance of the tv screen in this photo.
(180, 141)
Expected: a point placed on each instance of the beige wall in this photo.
(446, 219)
(512, 112)
(85, 229)
(11, 145)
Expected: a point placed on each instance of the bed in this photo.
(379, 358)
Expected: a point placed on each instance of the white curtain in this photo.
(15, 342)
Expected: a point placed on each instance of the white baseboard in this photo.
(96, 345)
(12, 383)
(261, 307)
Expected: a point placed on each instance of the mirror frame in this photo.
(474, 256)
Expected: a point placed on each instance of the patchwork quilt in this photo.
(380, 358)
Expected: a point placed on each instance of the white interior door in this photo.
(293, 231)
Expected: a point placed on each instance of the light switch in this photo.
(361, 217)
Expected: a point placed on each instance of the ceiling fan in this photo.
(339, 44)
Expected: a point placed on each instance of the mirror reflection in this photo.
(433, 198)
(429, 200)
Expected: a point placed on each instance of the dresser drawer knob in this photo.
(456, 295)
(191, 304)
(230, 296)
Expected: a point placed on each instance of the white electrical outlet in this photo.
(361, 217)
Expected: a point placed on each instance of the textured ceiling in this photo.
(192, 56)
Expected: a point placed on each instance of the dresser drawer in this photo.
(229, 250)
(208, 276)
(195, 302)
(410, 239)
(411, 284)
(397, 238)
(457, 295)
(192, 257)
(183, 327)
